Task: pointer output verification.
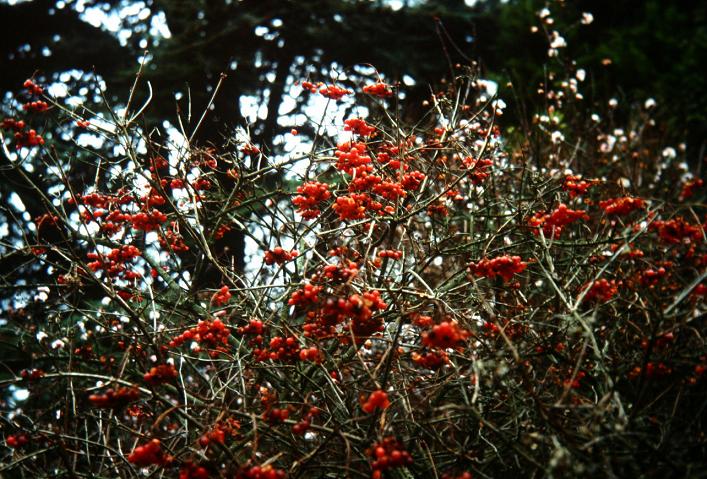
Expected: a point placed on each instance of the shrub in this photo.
(443, 299)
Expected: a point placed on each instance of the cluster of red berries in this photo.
(376, 400)
(463, 475)
(438, 209)
(651, 277)
(688, 189)
(114, 262)
(32, 87)
(221, 297)
(189, 470)
(12, 124)
(276, 415)
(652, 370)
(306, 296)
(661, 342)
(163, 373)
(286, 350)
(27, 138)
(388, 454)
(37, 106)
(171, 239)
(351, 207)
(601, 290)
(149, 221)
(114, 399)
(412, 181)
(22, 138)
(576, 186)
(255, 327)
(446, 334)
(352, 157)
(343, 272)
(677, 231)
(332, 92)
(279, 255)
(430, 359)
(390, 253)
(357, 309)
(311, 195)
(222, 430)
(312, 354)
(359, 126)
(261, 472)
(503, 266)
(210, 334)
(280, 349)
(554, 222)
(306, 422)
(250, 149)
(32, 374)
(16, 441)
(148, 454)
(574, 383)
(390, 190)
(378, 89)
(478, 169)
(622, 206)
(99, 200)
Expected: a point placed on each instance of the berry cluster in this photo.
(311, 195)
(163, 373)
(306, 422)
(114, 399)
(189, 470)
(502, 266)
(37, 106)
(210, 334)
(354, 314)
(359, 126)
(16, 441)
(430, 359)
(652, 370)
(27, 138)
(446, 334)
(576, 186)
(280, 349)
(622, 206)
(223, 429)
(554, 222)
(261, 472)
(33, 88)
(388, 454)
(601, 290)
(378, 89)
(478, 169)
(689, 187)
(377, 400)
(677, 231)
(114, 262)
(148, 454)
(279, 255)
(250, 149)
(332, 92)
(306, 296)
(390, 253)
(221, 297)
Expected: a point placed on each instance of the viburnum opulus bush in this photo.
(432, 300)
